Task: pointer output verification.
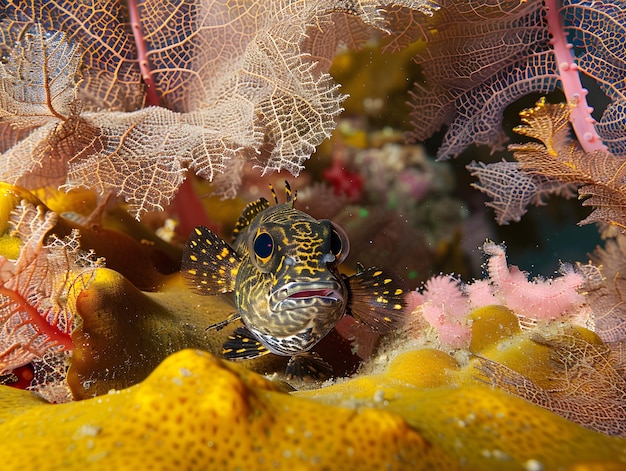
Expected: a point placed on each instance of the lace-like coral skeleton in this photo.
(482, 56)
(555, 164)
(586, 388)
(38, 290)
(234, 82)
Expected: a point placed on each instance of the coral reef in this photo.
(566, 368)
(112, 112)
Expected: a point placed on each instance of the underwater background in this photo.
(473, 154)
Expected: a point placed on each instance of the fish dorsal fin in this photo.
(290, 196)
(376, 300)
(250, 212)
(241, 345)
(209, 264)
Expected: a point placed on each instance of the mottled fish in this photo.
(283, 270)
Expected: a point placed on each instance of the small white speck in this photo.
(177, 381)
(500, 455)
(87, 430)
(379, 396)
(98, 456)
(185, 373)
(533, 465)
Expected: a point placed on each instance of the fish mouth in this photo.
(296, 295)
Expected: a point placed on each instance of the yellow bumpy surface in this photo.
(198, 412)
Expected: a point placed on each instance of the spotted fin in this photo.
(308, 366)
(376, 300)
(249, 213)
(241, 345)
(209, 264)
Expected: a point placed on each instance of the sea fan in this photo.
(483, 56)
(555, 164)
(38, 289)
(231, 85)
(586, 388)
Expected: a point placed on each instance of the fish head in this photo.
(288, 283)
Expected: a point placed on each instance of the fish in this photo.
(283, 268)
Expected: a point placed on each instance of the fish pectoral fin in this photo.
(376, 300)
(308, 366)
(241, 345)
(221, 324)
(209, 265)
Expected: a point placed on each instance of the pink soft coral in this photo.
(537, 299)
(445, 303)
(445, 308)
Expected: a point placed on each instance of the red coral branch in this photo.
(37, 321)
(152, 96)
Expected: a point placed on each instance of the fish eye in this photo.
(339, 243)
(263, 246)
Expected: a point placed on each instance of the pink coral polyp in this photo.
(445, 308)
